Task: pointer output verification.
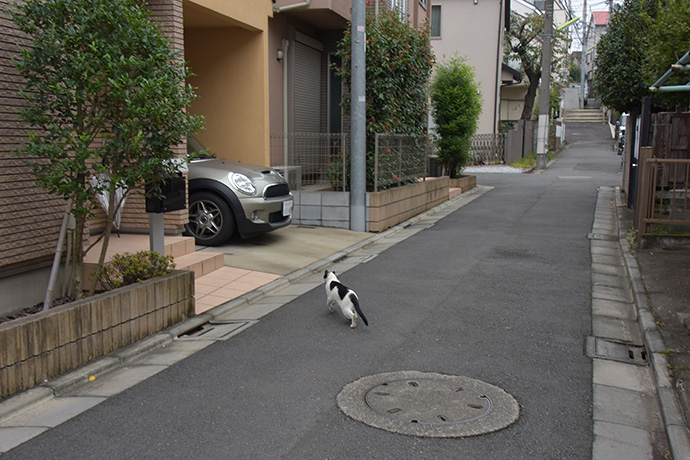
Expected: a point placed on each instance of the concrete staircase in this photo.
(583, 116)
(180, 247)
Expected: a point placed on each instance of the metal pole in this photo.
(585, 27)
(543, 128)
(157, 233)
(358, 193)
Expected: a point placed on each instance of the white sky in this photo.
(592, 5)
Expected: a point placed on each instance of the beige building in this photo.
(474, 30)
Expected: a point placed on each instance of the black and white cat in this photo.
(344, 297)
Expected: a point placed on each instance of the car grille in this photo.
(277, 190)
(277, 217)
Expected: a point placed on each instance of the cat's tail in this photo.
(355, 301)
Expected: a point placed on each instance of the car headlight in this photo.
(243, 183)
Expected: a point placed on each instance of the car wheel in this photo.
(211, 221)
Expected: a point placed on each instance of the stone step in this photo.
(583, 116)
(180, 247)
(201, 263)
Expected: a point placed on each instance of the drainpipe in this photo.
(280, 9)
(286, 47)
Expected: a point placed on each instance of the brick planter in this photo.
(393, 206)
(464, 183)
(42, 346)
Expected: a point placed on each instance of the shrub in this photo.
(398, 67)
(457, 105)
(128, 268)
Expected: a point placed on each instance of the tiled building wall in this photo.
(29, 218)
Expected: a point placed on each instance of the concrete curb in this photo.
(672, 415)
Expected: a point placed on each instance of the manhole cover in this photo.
(428, 404)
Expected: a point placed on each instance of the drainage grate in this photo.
(216, 330)
(616, 351)
(428, 404)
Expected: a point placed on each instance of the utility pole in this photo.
(544, 90)
(585, 27)
(358, 107)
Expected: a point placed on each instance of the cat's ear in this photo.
(325, 274)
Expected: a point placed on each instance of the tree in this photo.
(667, 41)
(398, 67)
(457, 105)
(620, 79)
(524, 43)
(105, 94)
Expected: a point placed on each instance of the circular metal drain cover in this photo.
(428, 404)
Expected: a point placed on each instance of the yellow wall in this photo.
(231, 77)
(250, 13)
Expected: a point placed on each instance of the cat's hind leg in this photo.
(353, 318)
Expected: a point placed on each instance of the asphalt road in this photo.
(498, 291)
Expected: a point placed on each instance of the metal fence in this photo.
(322, 160)
(664, 200)
(488, 149)
(400, 159)
(312, 160)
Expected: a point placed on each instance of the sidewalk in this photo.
(660, 284)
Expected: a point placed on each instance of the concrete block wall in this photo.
(41, 346)
(385, 209)
(322, 209)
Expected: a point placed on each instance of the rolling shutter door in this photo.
(307, 89)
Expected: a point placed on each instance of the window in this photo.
(400, 7)
(423, 3)
(436, 21)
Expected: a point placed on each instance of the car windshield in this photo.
(195, 149)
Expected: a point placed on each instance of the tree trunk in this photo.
(112, 210)
(78, 257)
(528, 108)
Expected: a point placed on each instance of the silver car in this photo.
(227, 197)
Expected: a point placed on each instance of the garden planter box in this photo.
(41, 346)
(393, 206)
(464, 183)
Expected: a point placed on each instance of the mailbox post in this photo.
(173, 197)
